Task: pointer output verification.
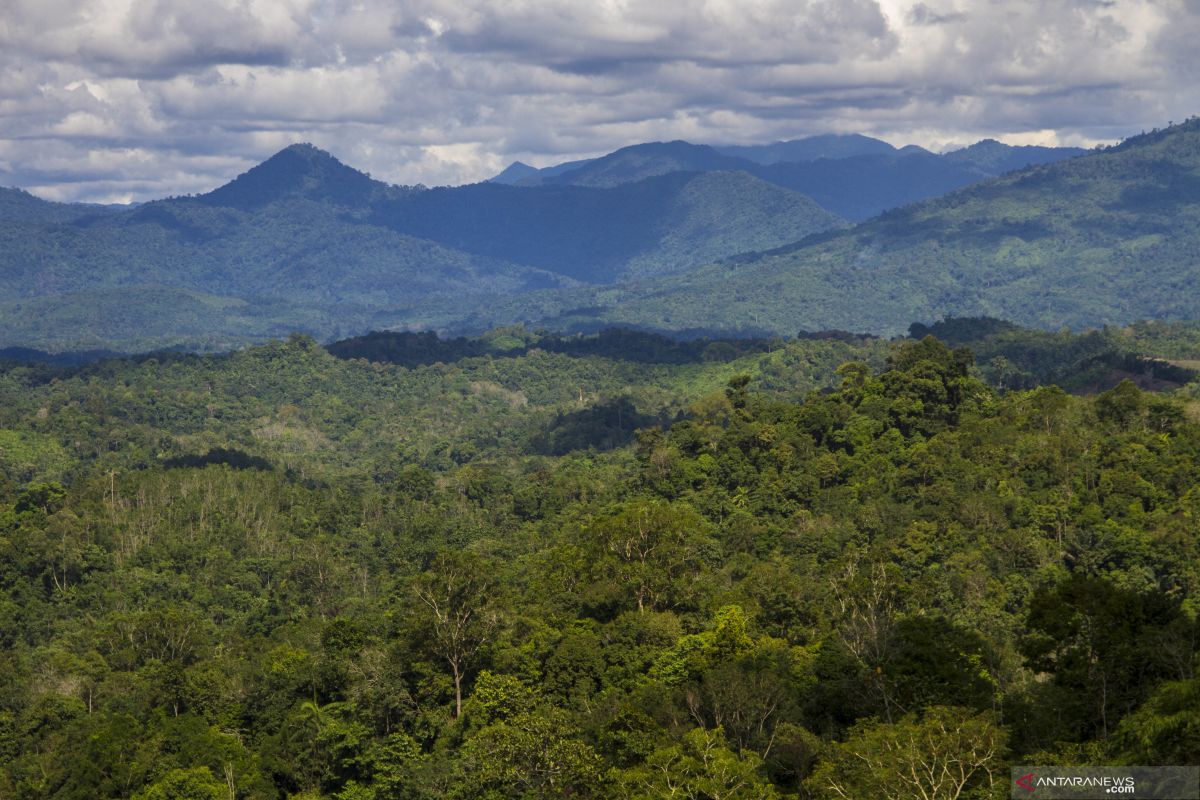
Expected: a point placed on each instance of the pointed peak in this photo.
(307, 151)
(298, 170)
(982, 145)
(306, 156)
(514, 172)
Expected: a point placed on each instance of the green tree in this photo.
(457, 596)
(533, 755)
(197, 783)
(1165, 730)
(1102, 645)
(943, 754)
(649, 552)
(700, 767)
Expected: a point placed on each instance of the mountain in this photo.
(997, 158)
(299, 171)
(514, 173)
(641, 161)
(855, 177)
(17, 205)
(305, 242)
(660, 225)
(520, 174)
(284, 246)
(811, 148)
(795, 150)
(1108, 237)
(860, 187)
(294, 249)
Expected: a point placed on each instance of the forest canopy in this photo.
(526, 567)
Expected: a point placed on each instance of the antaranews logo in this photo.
(1106, 784)
(1098, 783)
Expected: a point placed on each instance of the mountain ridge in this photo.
(1108, 237)
(854, 176)
(307, 241)
(303, 237)
(811, 148)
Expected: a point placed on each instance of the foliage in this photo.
(947, 753)
(902, 582)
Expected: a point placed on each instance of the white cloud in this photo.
(447, 91)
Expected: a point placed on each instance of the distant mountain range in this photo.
(1110, 237)
(302, 241)
(673, 237)
(854, 176)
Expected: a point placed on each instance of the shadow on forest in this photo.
(412, 349)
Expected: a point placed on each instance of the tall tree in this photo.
(940, 755)
(458, 594)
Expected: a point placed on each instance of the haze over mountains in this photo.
(854, 176)
(304, 242)
(671, 236)
(1109, 237)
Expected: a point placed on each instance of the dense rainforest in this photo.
(539, 566)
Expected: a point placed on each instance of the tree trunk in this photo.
(457, 692)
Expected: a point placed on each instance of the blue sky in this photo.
(117, 100)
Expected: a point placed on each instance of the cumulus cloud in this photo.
(109, 100)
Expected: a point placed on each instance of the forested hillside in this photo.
(410, 567)
(854, 176)
(746, 464)
(1106, 238)
(303, 242)
(656, 226)
(437, 403)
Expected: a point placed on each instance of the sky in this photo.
(129, 100)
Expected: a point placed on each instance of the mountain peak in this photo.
(993, 157)
(811, 148)
(303, 156)
(298, 170)
(305, 148)
(639, 161)
(311, 154)
(515, 172)
(17, 203)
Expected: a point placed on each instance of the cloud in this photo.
(111, 99)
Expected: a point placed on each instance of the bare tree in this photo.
(866, 604)
(938, 756)
(458, 592)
